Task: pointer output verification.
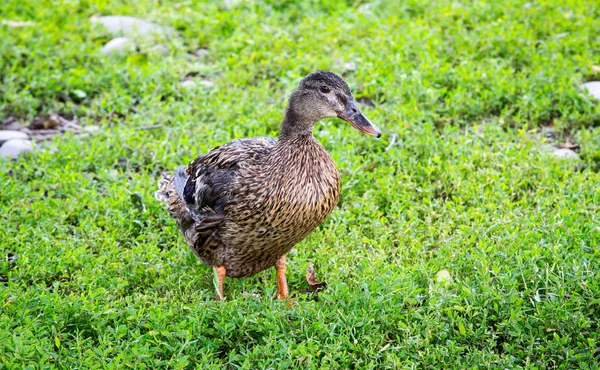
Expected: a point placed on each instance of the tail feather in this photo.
(181, 179)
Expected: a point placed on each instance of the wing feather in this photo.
(205, 185)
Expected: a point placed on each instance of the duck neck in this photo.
(295, 126)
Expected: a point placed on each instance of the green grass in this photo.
(92, 278)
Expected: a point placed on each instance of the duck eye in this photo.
(324, 89)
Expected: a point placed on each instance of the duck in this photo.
(244, 205)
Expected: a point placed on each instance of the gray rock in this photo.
(126, 25)
(12, 148)
(565, 154)
(592, 88)
(13, 125)
(7, 135)
(117, 45)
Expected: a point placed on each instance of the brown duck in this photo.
(244, 205)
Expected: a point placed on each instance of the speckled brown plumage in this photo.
(245, 204)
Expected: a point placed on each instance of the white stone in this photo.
(593, 88)
(123, 24)
(7, 135)
(117, 46)
(12, 148)
(565, 154)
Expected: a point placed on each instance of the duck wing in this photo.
(205, 185)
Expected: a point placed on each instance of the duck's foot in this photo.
(219, 276)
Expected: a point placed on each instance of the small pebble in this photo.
(117, 45)
(565, 154)
(11, 123)
(126, 25)
(13, 126)
(13, 148)
(7, 135)
(593, 88)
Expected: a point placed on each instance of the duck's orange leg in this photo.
(221, 273)
(282, 288)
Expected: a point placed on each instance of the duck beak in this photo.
(354, 116)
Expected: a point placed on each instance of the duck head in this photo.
(323, 95)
